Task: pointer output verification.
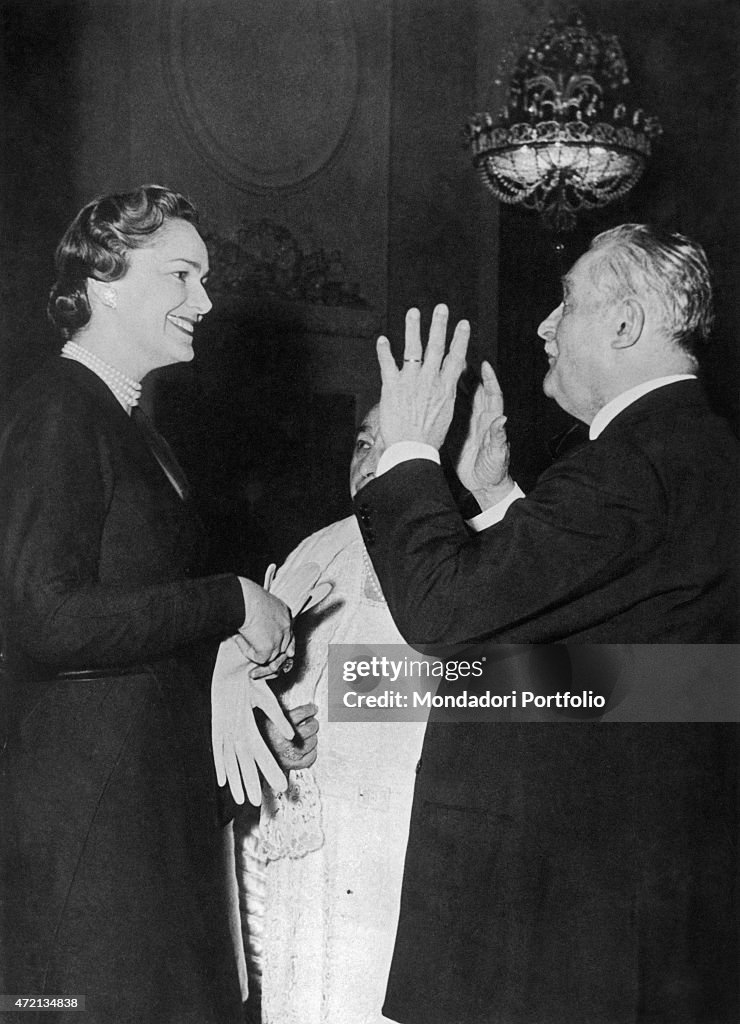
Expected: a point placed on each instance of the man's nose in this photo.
(370, 464)
(549, 325)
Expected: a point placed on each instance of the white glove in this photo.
(297, 588)
(238, 747)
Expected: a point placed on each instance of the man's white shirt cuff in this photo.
(403, 451)
(494, 514)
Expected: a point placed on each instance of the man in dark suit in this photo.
(572, 873)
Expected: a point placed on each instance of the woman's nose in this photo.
(201, 301)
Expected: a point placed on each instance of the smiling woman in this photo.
(111, 841)
(131, 281)
(161, 298)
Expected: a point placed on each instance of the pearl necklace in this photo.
(126, 389)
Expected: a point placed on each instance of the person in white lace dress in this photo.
(320, 876)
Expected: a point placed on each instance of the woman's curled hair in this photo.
(97, 242)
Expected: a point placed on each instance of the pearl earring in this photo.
(109, 297)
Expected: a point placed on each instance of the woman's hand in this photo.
(267, 631)
(299, 751)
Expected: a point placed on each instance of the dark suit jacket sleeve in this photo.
(54, 496)
(595, 515)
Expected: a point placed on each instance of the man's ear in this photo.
(630, 323)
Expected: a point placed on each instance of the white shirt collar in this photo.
(607, 413)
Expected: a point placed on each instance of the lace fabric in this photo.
(290, 823)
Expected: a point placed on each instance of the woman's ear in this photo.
(102, 292)
(630, 323)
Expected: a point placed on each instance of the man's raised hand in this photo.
(417, 401)
(483, 464)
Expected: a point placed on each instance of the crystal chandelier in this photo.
(566, 139)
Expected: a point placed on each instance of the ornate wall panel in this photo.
(266, 89)
(258, 109)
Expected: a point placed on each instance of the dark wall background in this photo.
(39, 132)
(326, 156)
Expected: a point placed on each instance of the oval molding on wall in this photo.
(266, 90)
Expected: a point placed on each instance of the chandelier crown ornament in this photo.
(566, 139)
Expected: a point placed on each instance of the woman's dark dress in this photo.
(110, 832)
